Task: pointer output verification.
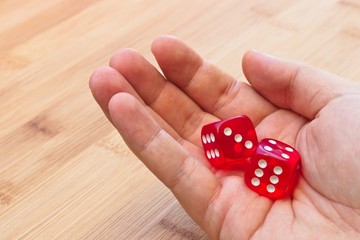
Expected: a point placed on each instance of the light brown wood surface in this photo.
(65, 173)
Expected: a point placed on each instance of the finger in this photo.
(106, 82)
(169, 102)
(191, 182)
(212, 89)
(290, 85)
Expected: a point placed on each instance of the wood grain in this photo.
(64, 172)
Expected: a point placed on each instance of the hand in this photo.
(160, 118)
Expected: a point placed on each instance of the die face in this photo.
(270, 178)
(213, 153)
(280, 151)
(229, 143)
(237, 137)
(273, 170)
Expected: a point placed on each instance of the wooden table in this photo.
(64, 171)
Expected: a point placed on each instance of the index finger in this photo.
(211, 88)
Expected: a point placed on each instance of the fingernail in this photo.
(264, 54)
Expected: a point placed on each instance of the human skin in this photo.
(160, 115)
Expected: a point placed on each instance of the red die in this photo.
(229, 143)
(273, 170)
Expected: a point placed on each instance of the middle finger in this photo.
(167, 100)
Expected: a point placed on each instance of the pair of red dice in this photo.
(271, 168)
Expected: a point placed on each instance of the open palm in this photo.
(160, 118)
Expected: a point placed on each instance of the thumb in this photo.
(292, 85)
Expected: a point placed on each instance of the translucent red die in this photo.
(229, 143)
(273, 169)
